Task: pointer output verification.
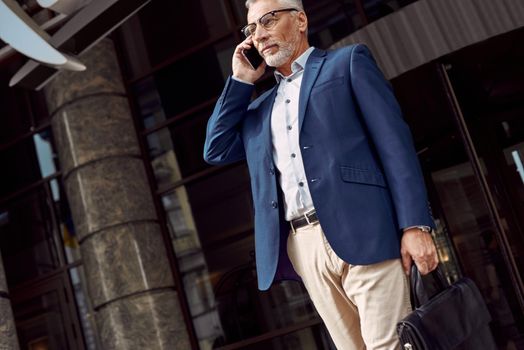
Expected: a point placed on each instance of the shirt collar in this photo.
(297, 64)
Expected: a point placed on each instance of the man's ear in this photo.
(302, 21)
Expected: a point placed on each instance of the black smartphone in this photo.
(253, 57)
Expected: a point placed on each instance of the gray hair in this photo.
(285, 3)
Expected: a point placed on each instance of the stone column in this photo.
(8, 338)
(128, 275)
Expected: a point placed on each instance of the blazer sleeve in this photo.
(392, 139)
(223, 134)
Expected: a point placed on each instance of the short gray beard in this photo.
(277, 59)
(284, 53)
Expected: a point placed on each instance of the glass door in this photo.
(485, 88)
(478, 231)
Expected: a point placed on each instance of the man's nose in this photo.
(260, 33)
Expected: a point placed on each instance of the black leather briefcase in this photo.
(455, 318)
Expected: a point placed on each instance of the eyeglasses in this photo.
(267, 21)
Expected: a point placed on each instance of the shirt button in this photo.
(293, 155)
(288, 100)
(289, 80)
(301, 184)
(289, 127)
(274, 204)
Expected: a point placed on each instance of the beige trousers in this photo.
(360, 305)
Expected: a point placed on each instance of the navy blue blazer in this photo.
(360, 162)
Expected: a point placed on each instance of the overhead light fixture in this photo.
(90, 21)
(24, 35)
(67, 7)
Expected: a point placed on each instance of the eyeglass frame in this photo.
(243, 30)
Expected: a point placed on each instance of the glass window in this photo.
(239, 11)
(210, 222)
(45, 153)
(40, 322)
(492, 241)
(67, 231)
(311, 338)
(329, 22)
(177, 151)
(171, 27)
(217, 207)
(402, 3)
(27, 238)
(27, 161)
(15, 119)
(39, 108)
(467, 236)
(85, 311)
(191, 81)
(376, 9)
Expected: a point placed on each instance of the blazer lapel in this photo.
(313, 66)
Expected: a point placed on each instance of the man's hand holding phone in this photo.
(245, 61)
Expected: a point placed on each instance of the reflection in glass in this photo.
(27, 237)
(239, 11)
(210, 222)
(180, 222)
(67, 228)
(85, 311)
(376, 9)
(311, 338)
(149, 103)
(446, 254)
(40, 322)
(330, 22)
(487, 81)
(179, 25)
(45, 154)
(198, 77)
(29, 160)
(16, 116)
(193, 267)
(176, 151)
(473, 233)
(517, 160)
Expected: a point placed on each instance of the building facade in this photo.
(115, 234)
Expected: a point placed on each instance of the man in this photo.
(337, 188)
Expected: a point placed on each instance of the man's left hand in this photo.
(418, 246)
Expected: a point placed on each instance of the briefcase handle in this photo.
(419, 293)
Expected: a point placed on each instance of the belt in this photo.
(308, 218)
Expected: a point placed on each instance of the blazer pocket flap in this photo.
(326, 84)
(364, 176)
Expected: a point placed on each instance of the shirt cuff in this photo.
(242, 81)
(417, 226)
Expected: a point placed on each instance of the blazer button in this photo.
(272, 171)
(274, 204)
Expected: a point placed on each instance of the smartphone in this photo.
(253, 57)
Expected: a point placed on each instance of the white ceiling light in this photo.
(67, 7)
(81, 23)
(24, 35)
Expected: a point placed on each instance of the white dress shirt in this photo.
(284, 136)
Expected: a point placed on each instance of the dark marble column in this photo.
(8, 338)
(128, 274)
